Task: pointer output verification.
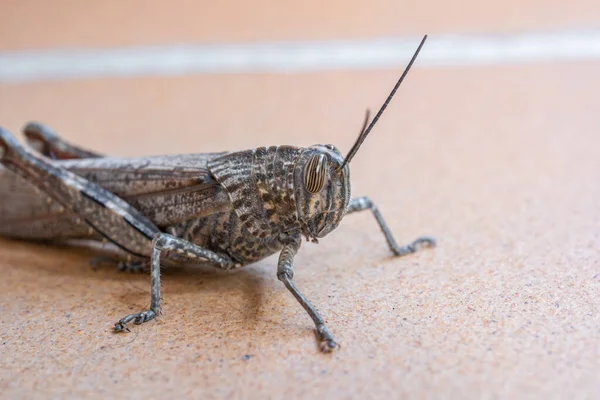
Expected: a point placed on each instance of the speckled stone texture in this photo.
(501, 164)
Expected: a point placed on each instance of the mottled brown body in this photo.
(239, 204)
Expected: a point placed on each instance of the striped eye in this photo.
(315, 173)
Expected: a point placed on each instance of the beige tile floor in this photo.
(500, 163)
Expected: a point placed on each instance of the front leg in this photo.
(365, 203)
(285, 273)
(169, 244)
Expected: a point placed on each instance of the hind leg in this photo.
(46, 142)
(110, 216)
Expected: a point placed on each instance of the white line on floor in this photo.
(290, 57)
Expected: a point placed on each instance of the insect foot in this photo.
(138, 318)
(326, 342)
(419, 243)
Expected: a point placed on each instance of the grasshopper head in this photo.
(322, 189)
(322, 176)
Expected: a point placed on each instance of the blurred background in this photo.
(491, 145)
(167, 75)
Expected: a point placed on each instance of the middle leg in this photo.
(169, 244)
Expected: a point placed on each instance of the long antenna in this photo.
(365, 132)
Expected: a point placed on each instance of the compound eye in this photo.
(315, 173)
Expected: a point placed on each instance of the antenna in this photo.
(365, 132)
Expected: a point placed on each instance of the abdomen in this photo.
(154, 185)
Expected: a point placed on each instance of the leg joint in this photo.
(362, 203)
(159, 241)
(285, 272)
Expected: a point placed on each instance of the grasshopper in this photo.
(226, 209)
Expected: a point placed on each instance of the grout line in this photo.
(300, 56)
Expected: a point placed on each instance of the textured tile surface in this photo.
(501, 164)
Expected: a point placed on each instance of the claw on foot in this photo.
(424, 241)
(419, 243)
(326, 342)
(121, 327)
(328, 346)
(138, 318)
